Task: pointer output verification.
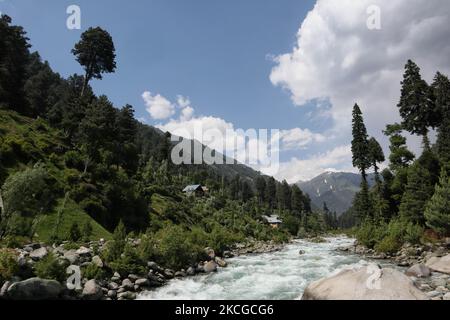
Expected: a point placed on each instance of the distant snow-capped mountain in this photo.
(337, 189)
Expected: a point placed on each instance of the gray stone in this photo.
(127, 284)
(112, 294)
(4, 289)
(220, 262)
(168, 274)
(190, 271)
(418, 271)
(210, 266)
(38, 254)
(446, 296)
(97, 261)
(84, 252)
(439, 264)
(142, 282)
(127, 295)
(210, 253)
(133, 277)
(366, 283)
(35, 289)
(228, 254)
(113, 286)
(153, 266)
(301, 252)
(72, 256)
(92, 291)
(180, 274)
(433, 294)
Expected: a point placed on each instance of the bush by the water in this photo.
(50, 267)
(8, 264)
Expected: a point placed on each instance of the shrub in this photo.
(128, 262)
(369, 234)
(8, 264)
(52, 268)
(388, 244)
(93, 271)
(437, 211)
(117, 246)
(74, 233)
(87, 231)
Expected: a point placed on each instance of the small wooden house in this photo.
(195, 190)
(274, 221)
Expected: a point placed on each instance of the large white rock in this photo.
(365, 283)
(439, 264)
(92, 290)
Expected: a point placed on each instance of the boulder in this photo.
(220, 262)
(38, 254)
(113, 286)
(210, 253)
(127, 295)
(133, 277)
(127, 284)
(4, 289)
(439, 264)
(72, 256)
(190, 271)
(169, 274)
(112, 294)
(142, 282)
(180, 274)
(84, 252)
(92, 291)
(446, 296)
(301, 252)
(418, 271)
(96, 260)
(210, 266)
(366, 283)
(35, 289)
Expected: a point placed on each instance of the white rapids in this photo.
(281, 275)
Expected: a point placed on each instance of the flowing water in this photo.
(281, 275)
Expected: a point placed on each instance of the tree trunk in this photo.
(2, 207)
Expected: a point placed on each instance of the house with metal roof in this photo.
(273, 220)
(195, 190)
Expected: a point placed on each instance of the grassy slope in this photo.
(25, 141)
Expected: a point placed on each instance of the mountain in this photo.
(337, 189)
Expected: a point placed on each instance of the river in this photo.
(281, 275)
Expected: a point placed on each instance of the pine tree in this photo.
(376, 156)
(261, 189)
(271, 191)
(441, 91)
(96, 53)
(416, 104)
(417, 193)
(297, 200)
(400, 156)
(437, 211)
(360, 147)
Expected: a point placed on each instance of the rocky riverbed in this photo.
(118, 287)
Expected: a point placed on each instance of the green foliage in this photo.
(369, 233)
(96, 53)
(437, 212)
(128, 262)
(28, 192)
(92, 271)
(87, 231)
(52, 268)
(8, 264)
(360, 147)
(117, 245)
(75, 233)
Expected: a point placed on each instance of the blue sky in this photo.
(254, 64)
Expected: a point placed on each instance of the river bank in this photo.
(251, 270)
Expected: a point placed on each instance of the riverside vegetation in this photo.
(83, 183)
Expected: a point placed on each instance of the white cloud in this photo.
(186, 113)
(297, 138)
(157, 106)
(338, 58)
(183, 102)
(337, 159)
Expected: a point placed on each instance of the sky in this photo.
(295, 66)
